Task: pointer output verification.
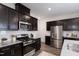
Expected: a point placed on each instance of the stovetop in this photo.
(26, 40)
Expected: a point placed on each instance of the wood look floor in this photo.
(49, 49)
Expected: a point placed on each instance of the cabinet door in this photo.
(18, 49)
(67, 25)
(6, 51)
(37, 44)
(49, 24)
(13, 20)
(75, 24)
(47, 40)
(59, 23)
(22, 9)
(3, 17)
(70, 25)
(34, 24)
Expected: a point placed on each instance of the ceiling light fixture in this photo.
(49, 9)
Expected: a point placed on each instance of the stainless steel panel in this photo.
(56, 43)
(56, 36)
(56, 32)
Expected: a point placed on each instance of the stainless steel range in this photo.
(28, 48)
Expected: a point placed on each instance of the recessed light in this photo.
(49, 9)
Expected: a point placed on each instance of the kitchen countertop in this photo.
(7, 43)
(69, 38)
(70, 48)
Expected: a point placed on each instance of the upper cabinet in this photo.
(22, 9)
(71, 24)
(68, 24)
(24, 16)
(51, 23)
(13, 20)
(34, 23)
(8, 18)
(3, 17)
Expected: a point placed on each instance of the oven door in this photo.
(28, 50)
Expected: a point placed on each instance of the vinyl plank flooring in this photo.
(49, 49)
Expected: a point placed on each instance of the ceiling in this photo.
(41, 9)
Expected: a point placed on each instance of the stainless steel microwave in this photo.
(24, 25)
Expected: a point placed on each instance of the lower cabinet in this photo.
(37, 44)
(17, 50)
(13, 50)
(47, 40)
(5, 51)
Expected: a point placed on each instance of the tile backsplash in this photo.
(7, 34)
(72, 34)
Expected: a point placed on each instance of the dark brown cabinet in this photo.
(71, 24)
(22, 9)
(37, 44)
(49, 24)
(47, 40)
(24, 15)
(34, 24)
(3, 17)
(68, 24)
(8, 18)
(12, 50)
(13, 20)
(5, 51)
(17, 49)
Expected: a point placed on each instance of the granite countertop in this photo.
(70, 38)
(7, 43)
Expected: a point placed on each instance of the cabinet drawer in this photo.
(5, 48)
(6, 51)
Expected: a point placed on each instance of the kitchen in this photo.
(36, 28)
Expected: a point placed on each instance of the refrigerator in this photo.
(56, 39)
